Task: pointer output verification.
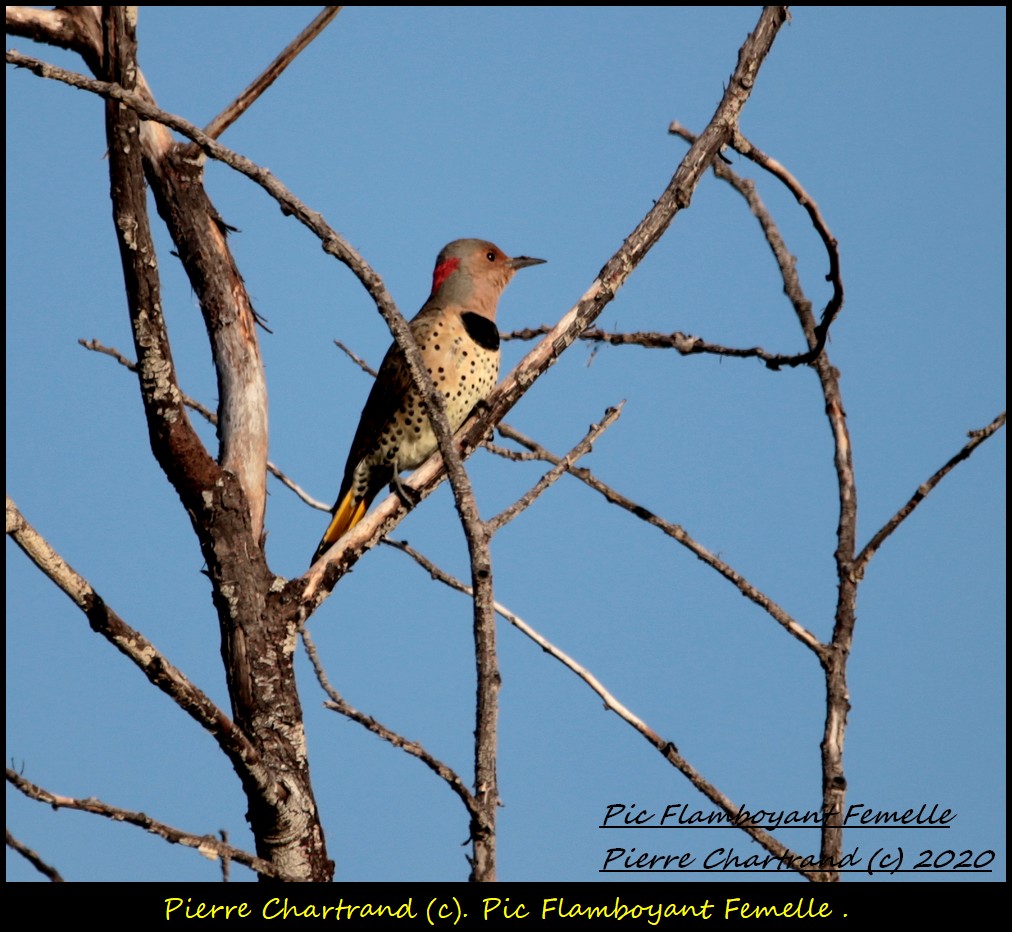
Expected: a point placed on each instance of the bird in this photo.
(458, 339)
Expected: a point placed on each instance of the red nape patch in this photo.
(443, 271)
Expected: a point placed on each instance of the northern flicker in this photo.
(459, 342)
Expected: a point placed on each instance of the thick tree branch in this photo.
(75, 28)
(209, 494)
(174, 443)
(162, 674)
(211, 418)
(226, 503)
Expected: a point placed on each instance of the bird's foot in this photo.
(408, 496)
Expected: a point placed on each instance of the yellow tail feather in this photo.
(347, 514)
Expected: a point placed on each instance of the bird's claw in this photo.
(408, 496)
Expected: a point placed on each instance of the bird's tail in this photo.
(347, 513)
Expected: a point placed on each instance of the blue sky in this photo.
(544, 130)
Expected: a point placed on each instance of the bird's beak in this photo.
(521, 262)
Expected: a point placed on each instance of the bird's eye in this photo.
(490, 256)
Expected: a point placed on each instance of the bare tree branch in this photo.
(332, 242)
(834, 655)
(683, 343)
(290, 483)
(97, 346)
(358, 360)
(271, 73)
(977, 437)
(228, 312)
(384, 517)
(609, 700)
(226, 860)
(226, 504)
(213, 497)
(516, 456)
(667, 749)
(819, 336)
(33, 858)
(581, 449)
(175, 444)
(338, 704)
(679, 534)
(74, 28)
(129, 642)
(742, 145)
(211, 418)
(207, 845)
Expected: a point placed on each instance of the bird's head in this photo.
(473, 273)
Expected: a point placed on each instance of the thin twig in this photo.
(33, 858)
(517, 456)
(338, 704)
(331, 241)
(679, 534)
(817, 335)
(775, 168)
(358, 360)
(271, 73)
(207, 845)
(97, 347)
(211, 418)
(610, 701)
(977, 437)
(565, 463)
(296, 488)
(683, 343)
